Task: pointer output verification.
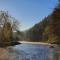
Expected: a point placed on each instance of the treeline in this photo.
(48, 30)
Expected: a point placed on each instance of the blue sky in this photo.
(28, 12)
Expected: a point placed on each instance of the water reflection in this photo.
(27, 52)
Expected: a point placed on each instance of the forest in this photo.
(47, 30)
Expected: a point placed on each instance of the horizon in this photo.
(28, 12)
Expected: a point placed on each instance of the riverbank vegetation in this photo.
(8, 29)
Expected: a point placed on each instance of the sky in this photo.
(28, 12)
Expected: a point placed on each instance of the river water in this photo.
(28, 52)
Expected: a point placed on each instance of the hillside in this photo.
(36, 32)
(48, 30)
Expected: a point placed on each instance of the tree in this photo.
(56, 22)
(8, 25)
(50, 37)
(52, 31)
(7, 32)
(5, 17)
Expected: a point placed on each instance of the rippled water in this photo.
(36, 52)
(28, 52)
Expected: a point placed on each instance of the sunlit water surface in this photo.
(29, 52)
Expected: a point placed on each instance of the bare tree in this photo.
(8, 24)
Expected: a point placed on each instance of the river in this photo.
(27, 52)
